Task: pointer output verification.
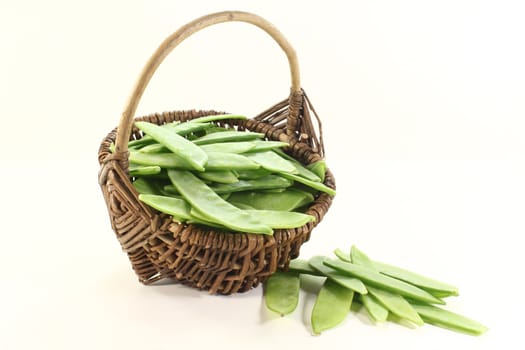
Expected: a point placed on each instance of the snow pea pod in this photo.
(154, 148)
(163, 160)
(281, 219)
(267, 182)
(204, 199)
(376, 311)
(177, 144)
(176, 207)
(318, 168)
(396, 304)
(302, 267)
(288, 200)
(299, 168)
(229, 161)
(354, 284)
(449, 320)
(331, 307)
(342, 255)
(315, 185)
(223, 177)
(432, 286)
(182, 129)
(252, 174)
(379, 280)
(272, 162)
(229, 147)
(265, 145)
(144, 186)
(226, 136)
(216, 117)
(281, 292)
(140, 170)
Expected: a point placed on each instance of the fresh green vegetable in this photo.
(263, 183)
(331, 306)
(376, 311)
(351, 283)
(281, 292)
(450, 320)
(140, 170)
(288, 200)
(179, 208)
(227, 136)
(177, 144)
(220, 176)
(303, 267)
(229, 147)
(272, 162)
(396, 304)
(318, 168)
(204, 199)
(376, 279)
(315, 185)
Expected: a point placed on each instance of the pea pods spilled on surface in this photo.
(331, 306)
(381, 281)
(281, 292)
(379, 300)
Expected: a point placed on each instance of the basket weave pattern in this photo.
(202, 257)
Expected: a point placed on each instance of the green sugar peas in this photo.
(228, 179)
(381, 295)
(281, 292)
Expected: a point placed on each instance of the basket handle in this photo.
(126, 120)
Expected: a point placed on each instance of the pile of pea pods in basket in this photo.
(203, 174)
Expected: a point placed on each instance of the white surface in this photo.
(422, 107)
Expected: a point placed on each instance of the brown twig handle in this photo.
(126, 121)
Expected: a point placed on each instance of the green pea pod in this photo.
(360, 258)
(272, 162)
(140, 170)
(163, 160)
(267, 182)
(318, 168)
(376, 311)
(288, 200)
(144, 186)
(187, 128)
(449, 320)
(177, 144)
(315, 185)
(376, 279)
(264, 145)
(302, 267)
(227, 136)
(300, 169)
(252, 174)
(223, 177)
(229, 147)
(154, 148)
(216, 117)
(396, 304)
(176, 207)
(331, 307)
(342, 255)
(434, 287)
(204, 199)
(229, 161)
(354, 284)
(281, 292)
(281, 219)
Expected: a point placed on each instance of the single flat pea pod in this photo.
(223, 177)
(271, 161)
(201, 197)
(396, 304)
(176, 207)
(376, 311)
(176, 143)
(449, 320)
(216, 117)
(302, 267)
(331, 307)
(163, 160)
(316, 262)
(227, 136)
(281, 292)
(229, 161)
(141, 170)
(264, 183)
(229, 147)
(315, 185)
(318, 168)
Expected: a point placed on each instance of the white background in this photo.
(422, 104)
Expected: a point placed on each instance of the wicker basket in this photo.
(216, 261)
